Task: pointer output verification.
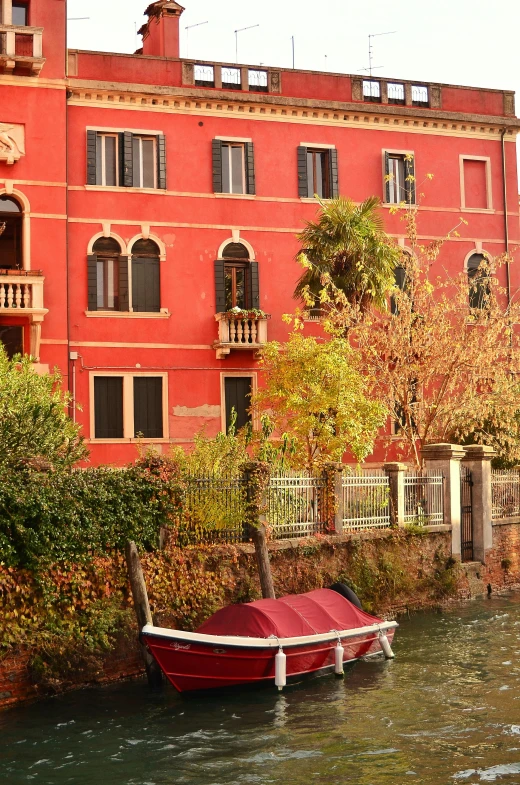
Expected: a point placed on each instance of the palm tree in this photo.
(348, 244)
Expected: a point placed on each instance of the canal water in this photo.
(446, 710)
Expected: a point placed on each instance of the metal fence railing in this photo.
(505, 493)
(215, 506)
(366, 501)
(424, 499)
(297, 505)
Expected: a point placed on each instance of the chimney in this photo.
(161, 31)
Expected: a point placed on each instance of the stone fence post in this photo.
(396, 472)
(446, 458)
(478, 460)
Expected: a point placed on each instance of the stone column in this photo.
(244, 78)
(447, 458)
(35, 339)
(478, 460)
(396, 472)
(7, 12)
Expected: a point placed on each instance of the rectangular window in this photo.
(399, 178)
(11, 337)
(233, 168)
(108, 407)
(258, 81)
(107, 284)
(237, 392)
(318, 173)
(475, 183)
(144, 164)
(420, 95)
(129, 406)
(235, 277)
(231, 78)
(371, 91)
(148, 407)
(20, 13)
(107, 160)
(204, 76)
(395, 93)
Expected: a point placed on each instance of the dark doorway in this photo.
(466, 485)
(238, 391)
(10, 234)
(11, 336)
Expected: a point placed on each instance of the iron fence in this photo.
(214, 509)
(423, 499)
(366, 501)
(297, 505)
(505, 493)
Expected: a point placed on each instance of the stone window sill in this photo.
(127, 315)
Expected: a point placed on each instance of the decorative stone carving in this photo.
(12, 142)
(435, 97)
(188, 73)
(275, 82)
(509, 104)
(357, 89)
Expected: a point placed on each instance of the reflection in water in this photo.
(446, 710)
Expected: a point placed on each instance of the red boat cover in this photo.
(292, 616)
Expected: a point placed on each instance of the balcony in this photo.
(21, 294)
(21, 49)
(241, 330)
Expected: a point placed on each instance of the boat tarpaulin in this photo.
(292, 616)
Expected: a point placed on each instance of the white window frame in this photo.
(128, 408)
(489, 187)
(142, 138)
(401, 154)
(230, 143)
(102, 137)
(254, 386)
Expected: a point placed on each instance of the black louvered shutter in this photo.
(254, 286)
(238, 397)
(146, 289)
(92, 281)
(128, 160)
(334, 177)
(108, 407)
(409, 177)
(92, 143)
(220, 286)
(217, 166)
(123, 284)
(121, 155)
(161, 161)
(148, 410)
(387, 175)
(250, 168)
(303, 187)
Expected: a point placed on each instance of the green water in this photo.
(446, 710)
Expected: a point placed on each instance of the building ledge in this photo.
(127, 315)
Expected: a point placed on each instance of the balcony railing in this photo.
(21, 293)
(240, 331)
(21, 47)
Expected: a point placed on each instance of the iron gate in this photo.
(466, 514)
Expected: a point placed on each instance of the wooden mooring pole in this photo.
(142, 610)
(263, 563)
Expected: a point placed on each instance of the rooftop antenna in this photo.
(188, 28)
(371, 51)
(241, 30)
(77, 18)
(292, 39)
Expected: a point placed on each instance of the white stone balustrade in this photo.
(21, 295)
(237, 332)
(21, 46)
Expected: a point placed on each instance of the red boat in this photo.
(269, 642)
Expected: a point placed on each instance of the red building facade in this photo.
(145, 196)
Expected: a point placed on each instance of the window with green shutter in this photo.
(318, 173)
(126, 159)
(108, 407)
(236, 279)
(146, 278)
(148, 407)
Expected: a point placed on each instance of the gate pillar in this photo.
(447, 458)
(478, 460)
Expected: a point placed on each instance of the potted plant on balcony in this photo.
(247, 313)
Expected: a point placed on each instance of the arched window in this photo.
(236, 279)
(107, 277)
(146, 288)
(478, 281)
(11, 221)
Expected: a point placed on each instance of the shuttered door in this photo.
(146, 290)
(108, 407)
(148, 412)
(217, 166)
(238, 391)
(220, 286)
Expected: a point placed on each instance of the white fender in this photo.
(385, 645)
(339, 652)
(280, 669)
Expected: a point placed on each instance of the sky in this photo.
(466, 42)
